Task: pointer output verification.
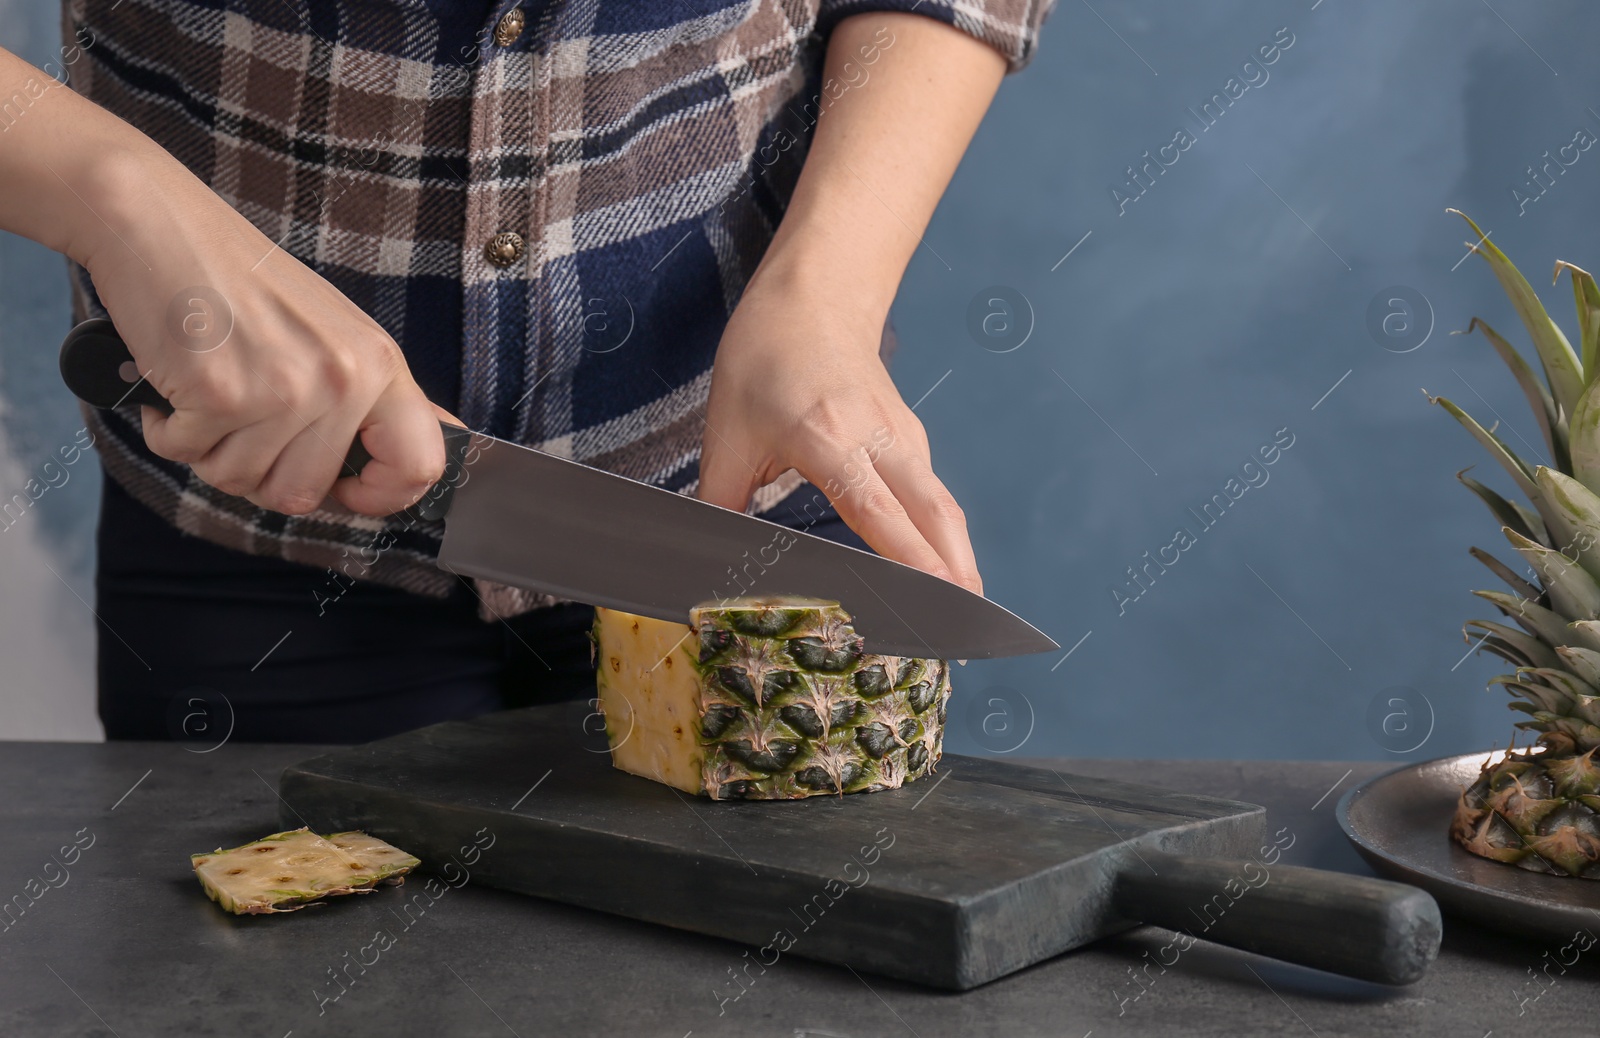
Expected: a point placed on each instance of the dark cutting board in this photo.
(952, 881)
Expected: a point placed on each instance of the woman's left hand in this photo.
(797, 381)
(798, 384)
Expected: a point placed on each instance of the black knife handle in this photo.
(1372, 929)
(99, 369)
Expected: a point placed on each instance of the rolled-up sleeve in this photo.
(1009, 26)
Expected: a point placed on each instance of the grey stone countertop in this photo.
(122, 941)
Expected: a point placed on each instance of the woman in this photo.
(660, 239)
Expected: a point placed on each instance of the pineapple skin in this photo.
(289, 870)
(765, 699)
(1539, 811)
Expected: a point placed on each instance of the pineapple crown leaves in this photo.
(1562, 368)
(1572, 591)
(1585, 663)
(1513, 646)
(1526, 522)
(1544, 407)
(1505, 573)
(1557, 650)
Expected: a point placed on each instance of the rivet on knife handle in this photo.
(99, 369)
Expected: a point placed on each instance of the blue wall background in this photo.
(46, 631)
(1206, 317)
(1176, 340)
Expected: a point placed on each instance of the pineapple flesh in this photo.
(287, 871)
(1540, 808)
(770, 698)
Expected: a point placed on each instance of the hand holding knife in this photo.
(530, 519)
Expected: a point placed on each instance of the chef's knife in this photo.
(522, 517)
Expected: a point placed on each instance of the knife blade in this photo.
(530, 519)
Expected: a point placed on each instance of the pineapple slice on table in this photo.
(771, 698)
(286, 871)
(1540, 808)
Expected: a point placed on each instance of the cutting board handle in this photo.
(98, 367)
(1372, 929)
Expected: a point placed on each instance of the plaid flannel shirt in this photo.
(644, 152)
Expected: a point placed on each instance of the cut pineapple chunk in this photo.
(769, 698)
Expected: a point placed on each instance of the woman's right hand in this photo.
(271, 372)
(266, 413)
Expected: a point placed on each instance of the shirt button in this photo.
(504, 248)
(509, 27)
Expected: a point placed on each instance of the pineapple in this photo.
(286, 871)
(765, 699)
(1540, 808)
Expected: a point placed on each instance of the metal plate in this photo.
(1400, 822)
